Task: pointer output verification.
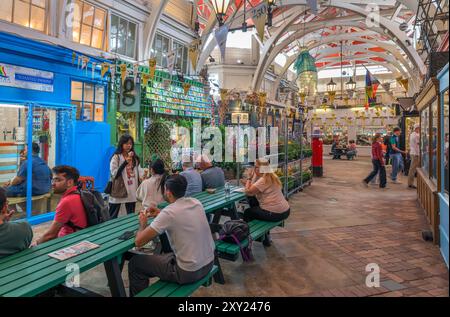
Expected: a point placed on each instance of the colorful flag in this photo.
(371, 89)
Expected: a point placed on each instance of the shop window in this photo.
(181, 60)
(424, 139)
(160, 49)
(445, 143)
(29, 13)
(434, 138)
(89, 100)
(123, 36)
(88, 24)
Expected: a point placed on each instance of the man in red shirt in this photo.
(70, 215)
(377, 162)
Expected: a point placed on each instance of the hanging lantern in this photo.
(350, 85)
(331, 86)
(306, 69)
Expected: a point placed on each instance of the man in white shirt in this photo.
(189, 235)
(414, 152)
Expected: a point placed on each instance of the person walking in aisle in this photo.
(414, 141)
(377, 162)
(396, 155)
(125, 162)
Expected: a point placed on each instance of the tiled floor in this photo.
(336, 228)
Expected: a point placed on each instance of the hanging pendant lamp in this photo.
(306, 69)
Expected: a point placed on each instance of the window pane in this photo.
(185, 60)
(76, 33)
(77, 91)
(434, 132)
(77, 12)
(37, 18)
(85, 35)
(122, 41)
(40, 3)
(88, 112)
(88, 14)
(79, 108)
(99, 21)
(21, 13)
(99, 94)
(165, 45)
(131, 31)
(88, 93)
(130, 48)
(424, 123)
(114, 24)
(6, 10)
(98, 116)
(97, 38)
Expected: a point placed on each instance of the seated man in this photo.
(14, 236)
(336, 151)
(185, 223)
(194, 180)
(70, 215)
(212, 177)
(41, 178)
(351, 149)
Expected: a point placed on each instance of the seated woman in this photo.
(151, 191)
(351, 149)
(272, 206)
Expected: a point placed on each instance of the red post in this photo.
(317, 156)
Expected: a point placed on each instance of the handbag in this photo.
(116, 186)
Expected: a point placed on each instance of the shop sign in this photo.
(26, 78)
(130, 96)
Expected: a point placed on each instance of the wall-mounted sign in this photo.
(130, 96)
(239, 118)
(26, 78)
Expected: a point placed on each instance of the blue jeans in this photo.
(397, 164)
(16, 190)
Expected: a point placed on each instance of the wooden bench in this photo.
(170, 289)
(41, 202)
(258, 229)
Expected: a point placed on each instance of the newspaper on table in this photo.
(73, 250)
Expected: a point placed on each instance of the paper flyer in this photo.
(73, 250)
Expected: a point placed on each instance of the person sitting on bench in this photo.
(41, 179)
(14, 236)
(351, 149)
(184, 221)
(70, 215)
(267, 190)
(336, 150)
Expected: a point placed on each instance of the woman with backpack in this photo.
(272, 206)
(125, 164)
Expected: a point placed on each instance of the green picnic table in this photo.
(214, 203)
(33, 271)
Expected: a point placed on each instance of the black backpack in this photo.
(236, 231)
(95, 207)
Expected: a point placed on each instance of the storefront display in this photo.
(443, 136)
(428, 185)
(39, 104)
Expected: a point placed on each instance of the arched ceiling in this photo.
(294, 25)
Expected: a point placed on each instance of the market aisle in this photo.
(336, 228)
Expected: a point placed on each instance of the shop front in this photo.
(428, 174)
(443, 162)
(40, 103)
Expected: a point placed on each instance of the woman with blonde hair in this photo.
(272, 206)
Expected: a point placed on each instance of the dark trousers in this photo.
(377, 168)
(258, 213)
(144, 266)
(114, 209)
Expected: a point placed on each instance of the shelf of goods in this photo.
(171, 99)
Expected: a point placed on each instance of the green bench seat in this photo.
(170, 289)
(258, 228)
